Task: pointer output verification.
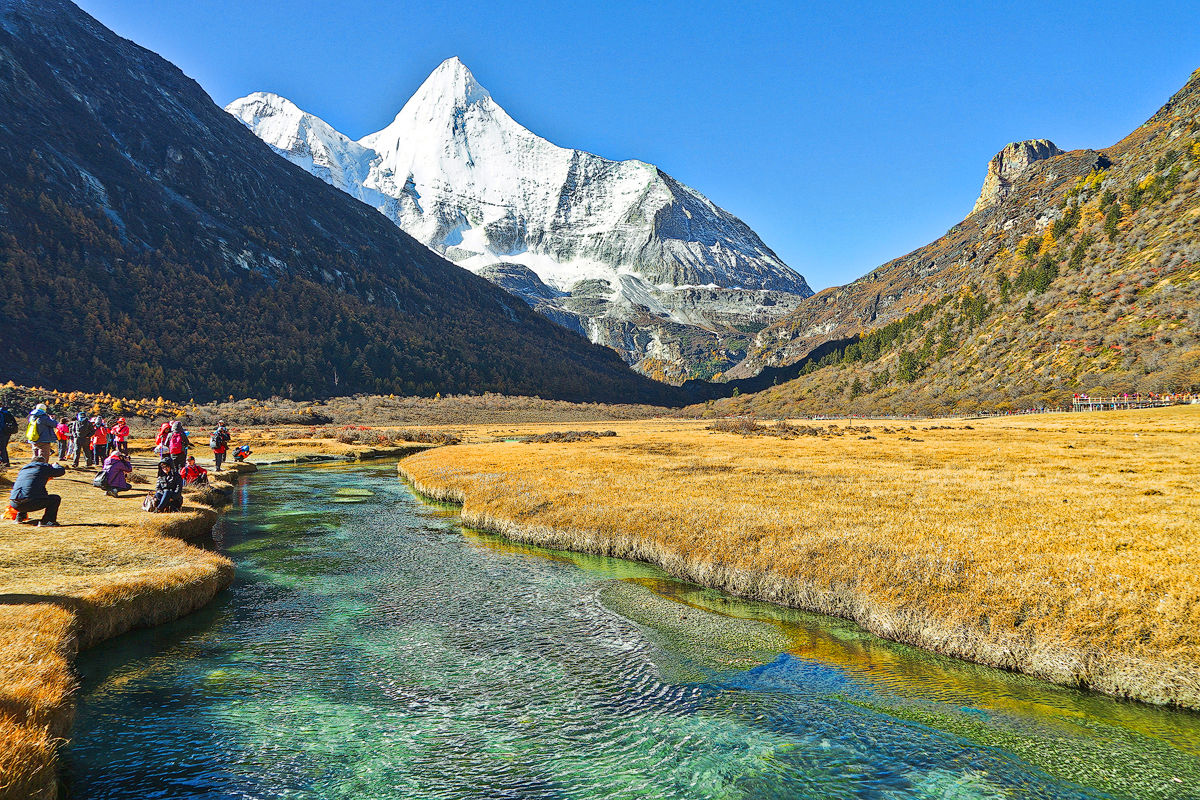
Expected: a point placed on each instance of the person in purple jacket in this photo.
(116, 467)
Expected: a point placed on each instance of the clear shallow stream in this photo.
(371, 648)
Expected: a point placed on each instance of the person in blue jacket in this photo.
(29, 492)
(45, 439)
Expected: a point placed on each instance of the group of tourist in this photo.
(105, 446)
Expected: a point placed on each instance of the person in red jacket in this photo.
(194, 474)
(120, 433)
(219, 442)
(160, 441)
(63, 431)
(100, 440)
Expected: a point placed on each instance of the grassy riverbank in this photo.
(111, 567)
(1062, 546)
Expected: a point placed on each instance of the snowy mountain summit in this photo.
(618, 250)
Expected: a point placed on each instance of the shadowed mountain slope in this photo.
(152, 245)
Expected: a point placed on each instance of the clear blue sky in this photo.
(844, 133)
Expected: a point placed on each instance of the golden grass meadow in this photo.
(1064, 546)
(110, 568)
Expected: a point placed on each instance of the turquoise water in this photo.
(372, 648)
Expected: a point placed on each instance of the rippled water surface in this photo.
(371, 648)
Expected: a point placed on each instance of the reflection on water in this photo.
(371, 648)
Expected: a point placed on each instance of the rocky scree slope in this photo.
(152, 245)
(617, 251)
(1078, 272)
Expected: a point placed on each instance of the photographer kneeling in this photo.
(29, 492)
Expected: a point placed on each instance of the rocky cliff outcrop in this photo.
(1007, 165)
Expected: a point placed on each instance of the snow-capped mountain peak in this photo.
(307, 140)
(454, 170)
(451, 85)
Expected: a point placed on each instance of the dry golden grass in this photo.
(1063, 546)
(110, 568)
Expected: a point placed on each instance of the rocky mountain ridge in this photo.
(1080, 272)
(617, 251)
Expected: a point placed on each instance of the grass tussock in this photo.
(1068, 550)
(379, 437)
(36, 648)
(110, 568)
(748, 426)
(567, 436)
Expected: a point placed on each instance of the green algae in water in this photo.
(394, 657)
(709, 639)
(1113, 759)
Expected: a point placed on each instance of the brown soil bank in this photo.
(1063, 546)
(110, 568)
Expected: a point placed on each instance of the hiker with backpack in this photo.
(29, 492)
(177, 445)
(112, 479)
(40, 433)
(219, 442)
(120, 435)
(99, 440)
(81, 434)
(8, 426)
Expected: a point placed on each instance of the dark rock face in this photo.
(156, 246)
(521, 281)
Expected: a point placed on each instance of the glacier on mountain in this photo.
(617, 250)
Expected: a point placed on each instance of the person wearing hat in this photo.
(116, 470)
(194, 474)
(99, 440)
(177, 445)
(120, 434)
(29, 492)
(81, 432)
(41, 434)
